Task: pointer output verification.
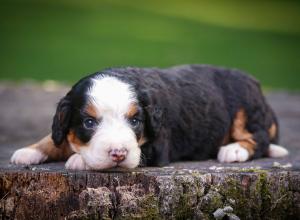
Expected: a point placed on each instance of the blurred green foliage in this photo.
(64, 40)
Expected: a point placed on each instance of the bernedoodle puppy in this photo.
(148, 116)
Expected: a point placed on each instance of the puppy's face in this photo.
(105, 123)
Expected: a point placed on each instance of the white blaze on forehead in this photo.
(111, 94)
(111, 99)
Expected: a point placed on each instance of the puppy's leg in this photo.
(76, 162)
(245, 144)
(41, 151)
(234, 152)
(250, 145)
(242, 150)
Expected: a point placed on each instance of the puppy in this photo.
(148, 116)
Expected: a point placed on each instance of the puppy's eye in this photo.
(90, 123)
(135, 122)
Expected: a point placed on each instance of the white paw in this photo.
(277, 151)
(233, 153)
(28, 156)
(75, 162)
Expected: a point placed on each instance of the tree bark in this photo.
(48, 192)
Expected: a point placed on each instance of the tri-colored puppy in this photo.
(148, 116)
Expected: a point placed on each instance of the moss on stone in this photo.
(251, 170)
(135, 202)
(183, 209)
(245, 197)
(279, 200)
(261, 187)
(149, 207)
(210, 202)
(178, 195)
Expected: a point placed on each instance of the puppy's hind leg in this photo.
(244, 144)
(43, 150)
(251, 145)
(233, 152)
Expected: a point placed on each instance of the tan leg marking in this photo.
(240, 134)
(226, 139)
(272, 131)
(250, 147)
(41, 151)
(238, 131)
(47, 147)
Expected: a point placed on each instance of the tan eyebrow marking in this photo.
(272, 131)
(91, 110)
(132, 110)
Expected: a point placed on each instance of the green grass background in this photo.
(64, 40)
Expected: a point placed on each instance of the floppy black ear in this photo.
(154, 113)
(61, 121)
(156, 150)
(154, 120)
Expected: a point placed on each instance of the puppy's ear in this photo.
(154, 120)
(61, 121)
(156, 150)
(154, 113)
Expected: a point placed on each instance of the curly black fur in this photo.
(189, 109)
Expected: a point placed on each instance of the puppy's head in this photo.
(103, 120)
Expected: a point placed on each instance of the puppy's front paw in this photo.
(75, 162)
(233, 153)
(28, 156)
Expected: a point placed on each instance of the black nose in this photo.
(118, 155)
